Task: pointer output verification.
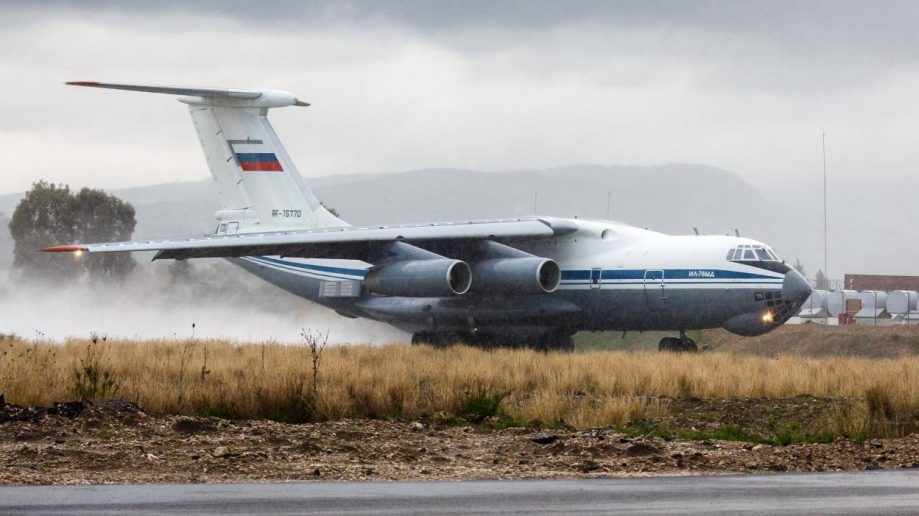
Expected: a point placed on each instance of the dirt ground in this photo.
(808, 339)
(115, 442)
(816, 340)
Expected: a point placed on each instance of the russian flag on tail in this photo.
(259, 162)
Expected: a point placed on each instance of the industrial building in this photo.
(867, 299)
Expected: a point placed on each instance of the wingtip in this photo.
(82, 83)
(65, 249)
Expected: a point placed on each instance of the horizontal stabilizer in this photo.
(213, 93)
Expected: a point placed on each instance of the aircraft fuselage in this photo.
(613, 277)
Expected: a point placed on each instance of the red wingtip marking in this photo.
(82, 83)
(64, 249)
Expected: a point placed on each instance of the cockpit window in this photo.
(752, 253)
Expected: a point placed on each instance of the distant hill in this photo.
(671, 198)
(644, 196)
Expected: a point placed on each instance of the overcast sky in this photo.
(486, 85)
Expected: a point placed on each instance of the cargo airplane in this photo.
(531, 281)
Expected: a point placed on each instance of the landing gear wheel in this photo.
(438, 340)
(421, 339)
(565, 344)
(682, 344)
(555, 342)
(449, 339)
(688, 345)
(667, 344)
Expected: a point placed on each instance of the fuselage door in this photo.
(655, 291)
(596, 275)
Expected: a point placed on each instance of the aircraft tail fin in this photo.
(259, 185)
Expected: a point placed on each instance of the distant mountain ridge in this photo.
(639, 195)
(672, 198)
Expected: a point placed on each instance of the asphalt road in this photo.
(865, 492)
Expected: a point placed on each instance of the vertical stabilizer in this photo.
(259, 185)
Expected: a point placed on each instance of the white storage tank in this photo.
(874, 304)
(873, 299)
(836, 301)
(815, 306)
(902, 301)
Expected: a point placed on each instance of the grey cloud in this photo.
(486, 85)
(770, 46)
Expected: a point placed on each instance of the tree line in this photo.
(52, 214)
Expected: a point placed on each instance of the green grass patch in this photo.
(482, 404)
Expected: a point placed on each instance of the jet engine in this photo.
(515, 276)
(420, 278)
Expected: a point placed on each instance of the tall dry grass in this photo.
(581, 390)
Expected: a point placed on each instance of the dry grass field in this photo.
(515, 387)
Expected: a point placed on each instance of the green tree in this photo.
(102, 217)
(51, 215)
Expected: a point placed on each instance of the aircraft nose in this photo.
(795, 287)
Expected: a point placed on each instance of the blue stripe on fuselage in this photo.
(669, 274)
(569, 275)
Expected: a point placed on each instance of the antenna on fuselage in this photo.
(736, 233)
(695, 230)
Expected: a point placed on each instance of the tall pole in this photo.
(826, 267)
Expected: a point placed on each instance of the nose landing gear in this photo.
(683, 344)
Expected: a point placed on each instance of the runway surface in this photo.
(864, 492)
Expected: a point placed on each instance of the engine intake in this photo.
(515, 276)
(420, 278)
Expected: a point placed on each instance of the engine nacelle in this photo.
(420, 278)
(515, 276)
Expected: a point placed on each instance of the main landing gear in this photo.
(683, 344)
(553, 341)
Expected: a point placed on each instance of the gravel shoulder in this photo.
(116, 442)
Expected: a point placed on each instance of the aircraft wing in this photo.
(342, 242)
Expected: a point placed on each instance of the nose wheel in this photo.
(681, 344)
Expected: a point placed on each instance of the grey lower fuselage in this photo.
(613, 277)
